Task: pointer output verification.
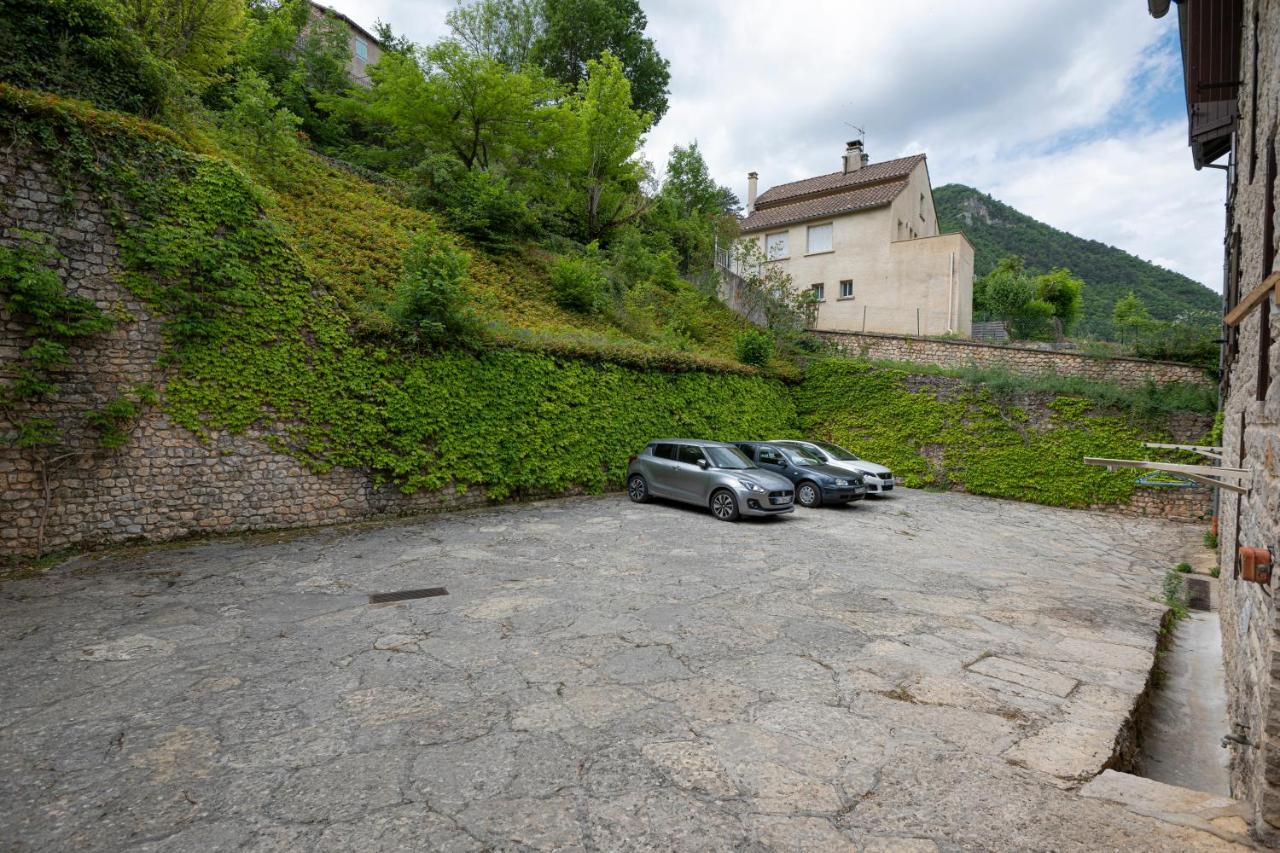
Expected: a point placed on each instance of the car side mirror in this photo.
(703, 464)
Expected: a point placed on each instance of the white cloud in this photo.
(1050, 107)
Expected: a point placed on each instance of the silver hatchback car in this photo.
(710, 474)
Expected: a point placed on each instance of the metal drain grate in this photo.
(1198, 594)
(406, 595)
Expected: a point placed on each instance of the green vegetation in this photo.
(755, 347)
(952, 434)
(1174, 590)
(1184, 568)
(1215, 572)
(1039, 307)
(1211, 540)
(997, 231)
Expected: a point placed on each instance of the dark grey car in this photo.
(710, 474)
(816, 483)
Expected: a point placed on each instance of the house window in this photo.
(819, 238)
(819, 292)
(362, 50)
(846, 289)
(775, 246)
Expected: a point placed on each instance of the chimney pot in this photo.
(854, 157)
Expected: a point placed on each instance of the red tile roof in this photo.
(871, 186)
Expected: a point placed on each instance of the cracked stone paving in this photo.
(923, 672)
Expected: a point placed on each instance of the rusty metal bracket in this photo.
(1232, 479)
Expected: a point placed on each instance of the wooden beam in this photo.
(1207, 474)
(1208, 452)
(1253, 299)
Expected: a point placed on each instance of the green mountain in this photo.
(995, 229)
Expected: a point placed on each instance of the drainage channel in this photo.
(1187, 716)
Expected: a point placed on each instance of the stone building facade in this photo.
(1239, 126)
(945, 352)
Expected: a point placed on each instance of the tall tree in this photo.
(501, 30)
(693, 210)
(578, 31)
(197, 36)
(600, 176)
(459, 103)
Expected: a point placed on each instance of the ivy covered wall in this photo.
(943, 432)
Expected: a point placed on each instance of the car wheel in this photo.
(808, 494)
(637, 489)
(724, 505)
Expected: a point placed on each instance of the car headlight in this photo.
(750, 486)
(842, 482)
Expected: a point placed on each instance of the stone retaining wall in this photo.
(1192, 505)
(958, 353)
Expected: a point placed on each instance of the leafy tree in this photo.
(598, 174)
(693, 210)
(482, 205)
(430, 302)
(263, 130)
(501, 30)
(1131, 318)
(81, 49)
(1060, 289)
(198, 36)
(576, 32)
(457, 102)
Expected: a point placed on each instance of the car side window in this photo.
(748, 451)
(690, 454)
(664, 451)
(769, 456)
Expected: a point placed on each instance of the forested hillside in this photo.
(995, 229)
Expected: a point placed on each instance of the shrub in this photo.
(266, 132)
(80, 48)
(755, 347)
(430, 304)
(1184, 568)
(580, 284)
(481, 205)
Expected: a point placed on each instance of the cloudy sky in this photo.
(1070, 112)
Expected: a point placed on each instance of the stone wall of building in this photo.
(1251, 440)
(945, 352)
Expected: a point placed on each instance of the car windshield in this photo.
(728, 457)
(801, 456)
(836, 452)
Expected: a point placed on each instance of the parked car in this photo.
(877, 478)
(710, 474)
(816, 482)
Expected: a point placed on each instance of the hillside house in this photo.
(865, 241)
(366, 50)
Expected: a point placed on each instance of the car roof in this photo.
(698, 442)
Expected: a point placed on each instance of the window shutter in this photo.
(819, 238)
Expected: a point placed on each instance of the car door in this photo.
(771, 459)
(659, 470)
(689, 479)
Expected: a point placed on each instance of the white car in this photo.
(877, 478)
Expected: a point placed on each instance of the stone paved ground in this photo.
(926, 671)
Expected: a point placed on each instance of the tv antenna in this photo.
(862, 134)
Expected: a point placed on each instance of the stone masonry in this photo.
(958, 353)
(1251, 439)
(164, 483)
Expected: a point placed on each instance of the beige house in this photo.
(365, 48)
(865, 240)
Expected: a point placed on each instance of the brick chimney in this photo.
(752, 180)
(854, 157)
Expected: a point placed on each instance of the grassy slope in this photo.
(996, 230)
(352, 233)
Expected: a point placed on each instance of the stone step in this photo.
(1220, 816)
